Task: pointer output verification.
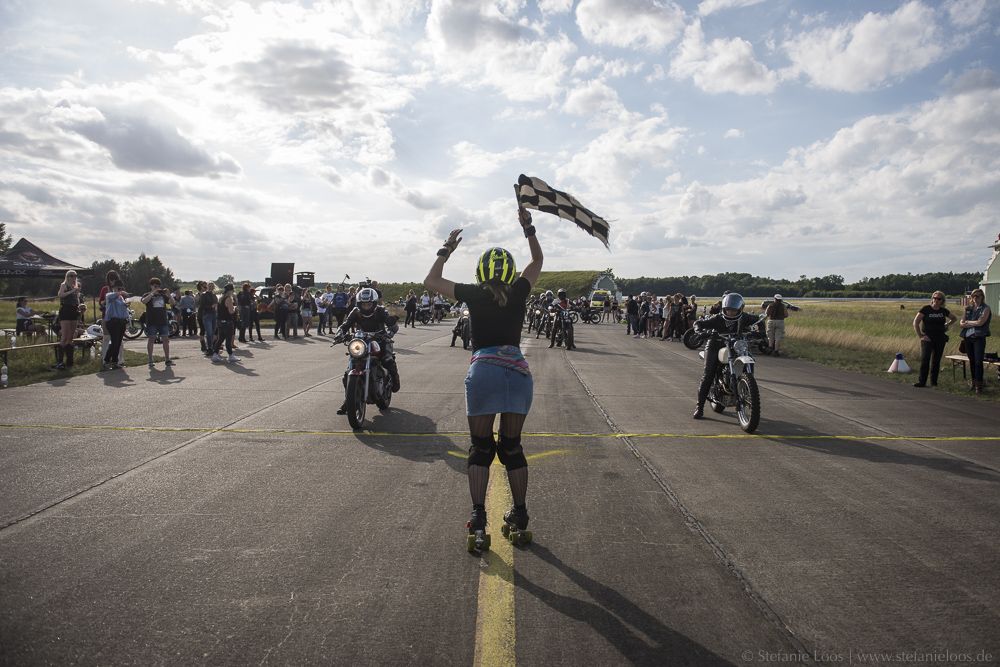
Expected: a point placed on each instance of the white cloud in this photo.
(641, 24)
(706, 7)
(965, 13)
(555, 6)
(725, 65)
(475, 162)
(733, 133)
(591, 98)
(864, 55)
(476, 44)
(607, 163)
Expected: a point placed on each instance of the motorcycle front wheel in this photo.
(466, 336)
(356, 404)
(692, 340)
(747, 402)
(133, 330)
(175, 329)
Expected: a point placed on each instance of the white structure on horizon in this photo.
(991, 279)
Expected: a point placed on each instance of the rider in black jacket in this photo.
(731, 320)
(370, 317)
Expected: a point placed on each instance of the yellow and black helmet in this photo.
(496, 265)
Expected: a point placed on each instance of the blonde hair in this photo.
(978, 292)
(940, 294)
(69, 274)
(499, 291)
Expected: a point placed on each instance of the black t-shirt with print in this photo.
(934, 321)
(491, 324)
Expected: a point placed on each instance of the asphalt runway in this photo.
(223, 514)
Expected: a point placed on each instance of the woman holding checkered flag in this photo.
(499, 380)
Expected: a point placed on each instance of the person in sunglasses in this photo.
(934, 320)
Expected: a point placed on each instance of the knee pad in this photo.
(511, 454)
(482, 452)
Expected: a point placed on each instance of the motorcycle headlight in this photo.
(465, 312)
(357, 348)
(741, 348)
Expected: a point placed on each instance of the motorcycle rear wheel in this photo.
(385, 399)
(356, 405)
(747, 402)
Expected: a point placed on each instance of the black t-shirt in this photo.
(156, 309)
(491, 324)
(934, 321)
(207, 304)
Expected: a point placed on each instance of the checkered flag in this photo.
(535, 193)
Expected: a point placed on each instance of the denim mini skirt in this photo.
(492, 390)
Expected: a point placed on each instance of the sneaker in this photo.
(216, 357)
(152, 365)
(920, 384)
(233, 357)
(60, 366)
(169, 363)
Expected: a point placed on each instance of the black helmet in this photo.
(367, 300)
(732, 306)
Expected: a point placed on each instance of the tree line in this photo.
(892, 286)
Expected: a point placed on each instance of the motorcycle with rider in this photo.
(371, 375)
(728, 379)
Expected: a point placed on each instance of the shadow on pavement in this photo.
(869, 451)
(421, 444)
(625, 625)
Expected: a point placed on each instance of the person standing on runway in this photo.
(499, 380)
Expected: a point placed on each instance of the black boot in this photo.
(699, 411)
(478, 519)
(69, 355)
(516, 517)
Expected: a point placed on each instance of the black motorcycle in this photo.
(561, 326)
(368, 381)
(462, 328)
(734, 385)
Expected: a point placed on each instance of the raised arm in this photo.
(534, 267)
(434, 281)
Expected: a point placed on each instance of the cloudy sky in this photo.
(775, 137)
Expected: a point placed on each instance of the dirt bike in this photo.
(587, 314)
(462, 328)
(734, 385)
(368, 381)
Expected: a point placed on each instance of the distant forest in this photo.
(892, 286)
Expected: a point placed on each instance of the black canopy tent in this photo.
(26, 260)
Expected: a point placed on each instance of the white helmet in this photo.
(94, 331)
(367, 300)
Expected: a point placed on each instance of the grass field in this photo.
(865, 336)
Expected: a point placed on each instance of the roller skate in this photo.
(515, 520)
(478, 539)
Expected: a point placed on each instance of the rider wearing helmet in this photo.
(370, 317)
(730, 320)
(563, 302)
(499, 380)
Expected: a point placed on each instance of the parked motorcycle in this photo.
(424, 314)
(368, 381)
(462, 328)
(587, 314)
(734, 385)
(137, 326)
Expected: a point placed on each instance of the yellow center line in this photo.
(465, 434)
(495, 622)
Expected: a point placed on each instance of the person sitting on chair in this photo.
(24, 315)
